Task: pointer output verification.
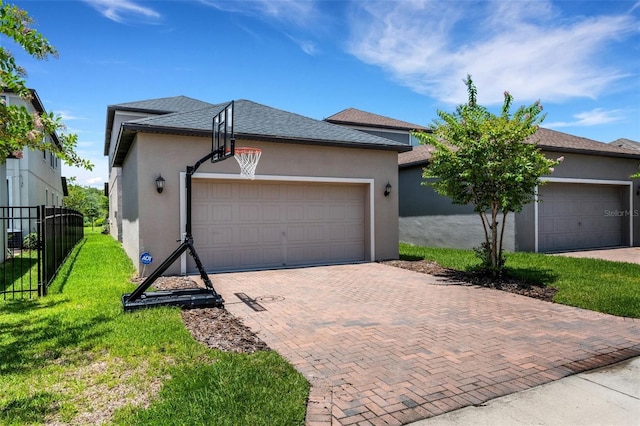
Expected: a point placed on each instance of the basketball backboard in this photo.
(223, 140)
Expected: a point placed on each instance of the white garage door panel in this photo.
(246, 225)
(572, 216)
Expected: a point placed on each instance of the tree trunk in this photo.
(494, 241)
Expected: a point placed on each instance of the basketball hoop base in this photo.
(187, 298)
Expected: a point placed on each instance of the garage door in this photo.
(239, 225)
(580, 216)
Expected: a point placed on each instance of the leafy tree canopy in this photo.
(483, 159)
(19, 128)
(91, 202)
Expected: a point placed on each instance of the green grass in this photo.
(20, 272)
(74, 353)
(597, 285)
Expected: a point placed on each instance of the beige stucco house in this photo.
(318, 196)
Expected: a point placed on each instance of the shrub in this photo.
(31, 241)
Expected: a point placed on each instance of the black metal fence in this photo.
(38, 240)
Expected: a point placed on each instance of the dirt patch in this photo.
(109, 384)
(511, 285)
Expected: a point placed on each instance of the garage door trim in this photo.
(275, 178)
(583, 181)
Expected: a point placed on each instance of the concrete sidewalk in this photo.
(624, 254)
(606, 396)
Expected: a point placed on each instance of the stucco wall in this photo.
(594, 166)
(130, 205)
(115, 203)
(421, 200)
(402, 137)
(430, 219)
(456, 231)
(158, 215)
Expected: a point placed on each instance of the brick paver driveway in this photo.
(382, 345)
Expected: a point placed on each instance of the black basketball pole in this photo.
(187, 243)
(212, 298)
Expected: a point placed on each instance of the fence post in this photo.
(42, 288)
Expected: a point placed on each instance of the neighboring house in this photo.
(626, 143)
(589, 201)
(377, 125)
(318, 196)
(36, 178)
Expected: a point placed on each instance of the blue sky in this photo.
(402, 59)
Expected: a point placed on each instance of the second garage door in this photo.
(241, 225)
(580, 216)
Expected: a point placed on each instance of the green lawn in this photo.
(597, 285)
(74, 354)
(20, 272)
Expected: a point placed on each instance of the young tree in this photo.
(483, 159)
(19, 128)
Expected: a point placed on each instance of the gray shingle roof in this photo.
(553, 140)
(626, 143)
(252, 121)
(546, 139)
(418, 155)
(358, 117)
(163, 105)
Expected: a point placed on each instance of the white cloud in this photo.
(286, 15)
(594, 117)
(525, 47)
(68, 115)
(98, 180)
(298, 12)
(122, 10)
(307, 46)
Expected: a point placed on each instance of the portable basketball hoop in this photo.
(248, 159)
(222, 147)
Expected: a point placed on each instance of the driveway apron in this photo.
(383, 345)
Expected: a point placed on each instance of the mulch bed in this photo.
(213, 327)
(508, 284)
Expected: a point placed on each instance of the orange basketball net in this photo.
(248, 159)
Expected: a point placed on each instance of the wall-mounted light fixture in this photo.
(387, 189)
(159, 183)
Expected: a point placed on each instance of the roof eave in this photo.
(341, 144)
(128, 132)
(377, 126)
(111, 112)
(413, 164)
